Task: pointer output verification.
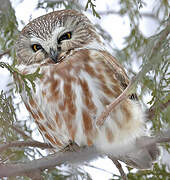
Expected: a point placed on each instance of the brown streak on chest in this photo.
(54, 84)
(41, 116)
(57, 142)
(41, 127)
(57, 119)
(111, 93)
(32, 103)
(34, 115)
(52, 127)
(90, 70)
(62, 105)
(52, 140)
(87, 96)
(69, 96)
(87, 122)
(71, 126)
(54, 96)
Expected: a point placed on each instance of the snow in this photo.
(118, 27)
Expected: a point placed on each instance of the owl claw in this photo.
(72, 146)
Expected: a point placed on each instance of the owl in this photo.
(79, 80)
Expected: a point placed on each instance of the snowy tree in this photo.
(21, 155)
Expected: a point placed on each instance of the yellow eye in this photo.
(69, 35)
(65, 36)
(36, 47)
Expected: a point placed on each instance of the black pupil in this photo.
(36, 47)
(64, 37)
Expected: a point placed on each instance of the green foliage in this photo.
(7, 133)
(154, 79)
(158, 81)
(158, 172)
(92, 6)
(67, 4)
(8, 30)
(7, 118)
(154, 53)
(26, 78)
(22, 80)
(160, 94)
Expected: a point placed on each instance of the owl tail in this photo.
(142, 157)
(145, 151)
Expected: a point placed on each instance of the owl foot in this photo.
(72, 146)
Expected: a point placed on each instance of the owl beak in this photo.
(54, 55)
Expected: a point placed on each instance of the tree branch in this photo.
(101, 119)
(4, 53)
(154, 52)
(31, 143)
(81, 154)
(28, 168)
(20, 131)
(135, 80)
(109, 12)
(119, 167)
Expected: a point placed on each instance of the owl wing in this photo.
(119, 72)
(143, 157)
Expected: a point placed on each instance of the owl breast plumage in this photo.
(79, 79)
(72, 94)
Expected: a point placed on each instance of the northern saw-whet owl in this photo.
(79, 79)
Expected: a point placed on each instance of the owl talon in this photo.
(72, 146)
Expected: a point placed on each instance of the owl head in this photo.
(52, 34)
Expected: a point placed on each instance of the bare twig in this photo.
(23, 144)
(163, 137)
(20, 131)
(101, 119)
(4, 53)
(146, 141)
(109, 12)
(119, 167)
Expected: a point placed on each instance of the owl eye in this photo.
(65, 36)
(36, 47)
